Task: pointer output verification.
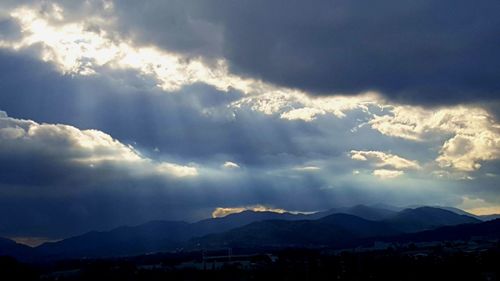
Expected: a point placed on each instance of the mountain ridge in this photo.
(332, 227)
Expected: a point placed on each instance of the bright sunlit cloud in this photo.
(387, 174)
(475, 134)
(222, 212)
(384, 160)
(86, 148)
(230, 165)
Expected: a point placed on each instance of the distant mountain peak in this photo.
(424, 217)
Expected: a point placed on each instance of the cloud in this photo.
(77, 49)
(295, 105)
(464, 152)
(385, 160)
(306, 114)
(68, 145)
(230, 165)
(387, 166)
(475, 134)
(409, 52)
(307, 168)
(387, 174)
(222, 212)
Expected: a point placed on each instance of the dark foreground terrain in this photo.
(442, 261)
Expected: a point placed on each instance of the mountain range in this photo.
(340, 227)
(335, 230)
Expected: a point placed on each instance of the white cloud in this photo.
(387, 174)
(384, 160)
(222, 212)
(89, 148)
(307, 168)
(296, 105)
(230, 165)
(306, 114)
(176, 170)
(387, 166)
(475, 134)
(465, 152)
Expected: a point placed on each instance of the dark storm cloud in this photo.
(425, 52)
(173, 24)
(421, 52)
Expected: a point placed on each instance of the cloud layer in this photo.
(425, 52)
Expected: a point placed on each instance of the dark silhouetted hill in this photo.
(127, 240)
(11, 248)
(423, 218)
(484, 230)
(333, 230)
(362, 211)
(155, 236)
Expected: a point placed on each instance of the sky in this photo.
(120, 112)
